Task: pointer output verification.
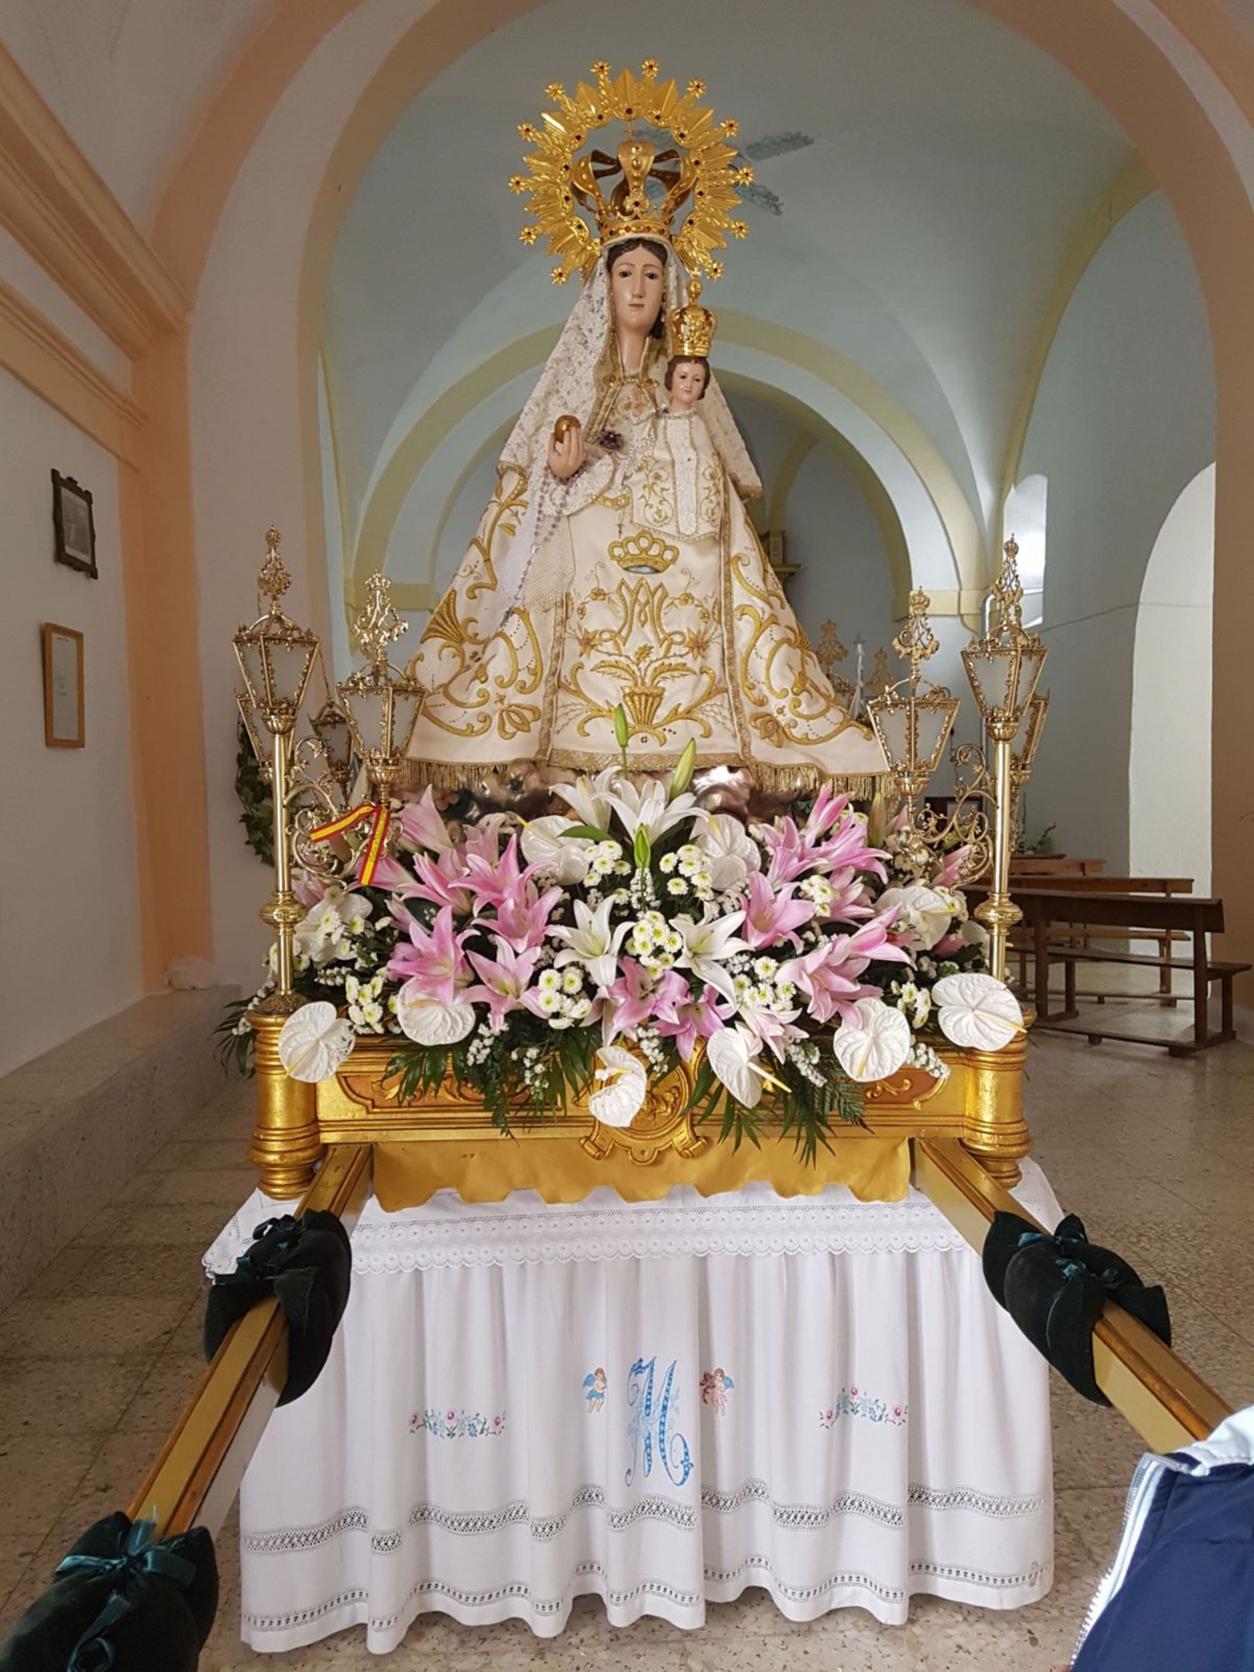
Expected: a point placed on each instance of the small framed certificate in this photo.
(63, 687)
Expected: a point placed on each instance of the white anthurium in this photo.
(977, 1011)
(973, 933)
(707, 944)
(429, 1021)
(621, 1084)
(733, 852)
(646, 807)
(314, 1042)
(591, 942)
(877, 1045)
(589, 798)
(544, 843)
(732, 1054)
(923, 914)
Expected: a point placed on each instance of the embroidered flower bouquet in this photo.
(579, 956)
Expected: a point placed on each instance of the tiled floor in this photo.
(96, 1360)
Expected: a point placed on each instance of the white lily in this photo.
(733, 852)
(877, 1046)
(544, 843)
(321, 932)
(430, 1021)
(707, 944)
(621, 1087)
(645, 807)
(589, 798)
(924, 914)
(591, 942)
(977, 1011)
(732, 1054)
(314, 1042)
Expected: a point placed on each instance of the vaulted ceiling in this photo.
(933, 172)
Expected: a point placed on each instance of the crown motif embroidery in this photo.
(698, 168)
(690, 329)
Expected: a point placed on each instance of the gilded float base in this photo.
(445, 1140)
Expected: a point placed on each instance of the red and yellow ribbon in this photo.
(380, 817)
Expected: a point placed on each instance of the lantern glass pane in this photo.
(290, 662)
(891, 721)
(406, 701)
(367, 713)
(248, 654)
(1031, 661)
(934, 724)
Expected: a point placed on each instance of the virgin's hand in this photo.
(566, 455)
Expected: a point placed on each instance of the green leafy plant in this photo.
(255, 798)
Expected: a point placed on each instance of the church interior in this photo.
(709, 1332)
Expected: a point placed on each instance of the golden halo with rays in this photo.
(700, 168)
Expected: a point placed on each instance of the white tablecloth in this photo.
(660, 1403)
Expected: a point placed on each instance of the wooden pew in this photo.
(1194, 916)
(1168, 887)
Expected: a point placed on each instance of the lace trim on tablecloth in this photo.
(523, 1229)
(755, 1569)
(683, 1517)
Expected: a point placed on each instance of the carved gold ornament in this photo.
(700, 168)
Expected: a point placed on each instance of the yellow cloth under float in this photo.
(489, 1167)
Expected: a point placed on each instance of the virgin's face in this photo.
(636, 282)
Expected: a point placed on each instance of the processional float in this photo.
(345, 1084)
(443, 1136)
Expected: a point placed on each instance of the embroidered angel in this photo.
(715, 1386)
(595, 1384)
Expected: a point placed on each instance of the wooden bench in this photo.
(1167, 887)
(1195, 917)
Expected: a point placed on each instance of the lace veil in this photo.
(575, 377)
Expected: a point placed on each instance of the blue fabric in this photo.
(1187, 1602)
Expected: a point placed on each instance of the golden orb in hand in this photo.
(564, 425)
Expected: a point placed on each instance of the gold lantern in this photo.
(1003, 667)
(275, 657)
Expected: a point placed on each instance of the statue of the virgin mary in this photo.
(615, 568)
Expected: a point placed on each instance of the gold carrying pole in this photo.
(999, 913)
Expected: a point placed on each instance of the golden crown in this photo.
(699, 167)
(690, 329)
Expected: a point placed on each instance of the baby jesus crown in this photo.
(698, 168)
(690, 329)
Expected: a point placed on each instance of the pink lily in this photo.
(633, 999)
(771, 914)
(849, 897)
(494, 880)
(523, 919)
(953, 870)
(951, 943)
(828, 975)
(828, 807)
(694, 1019)
(307, 888)
(774, 1028)
(442, 882)
(504, 980)
(388, 873)
(422, 826)
(433, 957)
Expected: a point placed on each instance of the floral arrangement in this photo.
(579, 954)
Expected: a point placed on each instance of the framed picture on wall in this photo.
(63, 687)
(74, 524)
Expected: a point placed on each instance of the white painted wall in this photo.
(1169, 772)
(1123, 421)
(69, 907)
